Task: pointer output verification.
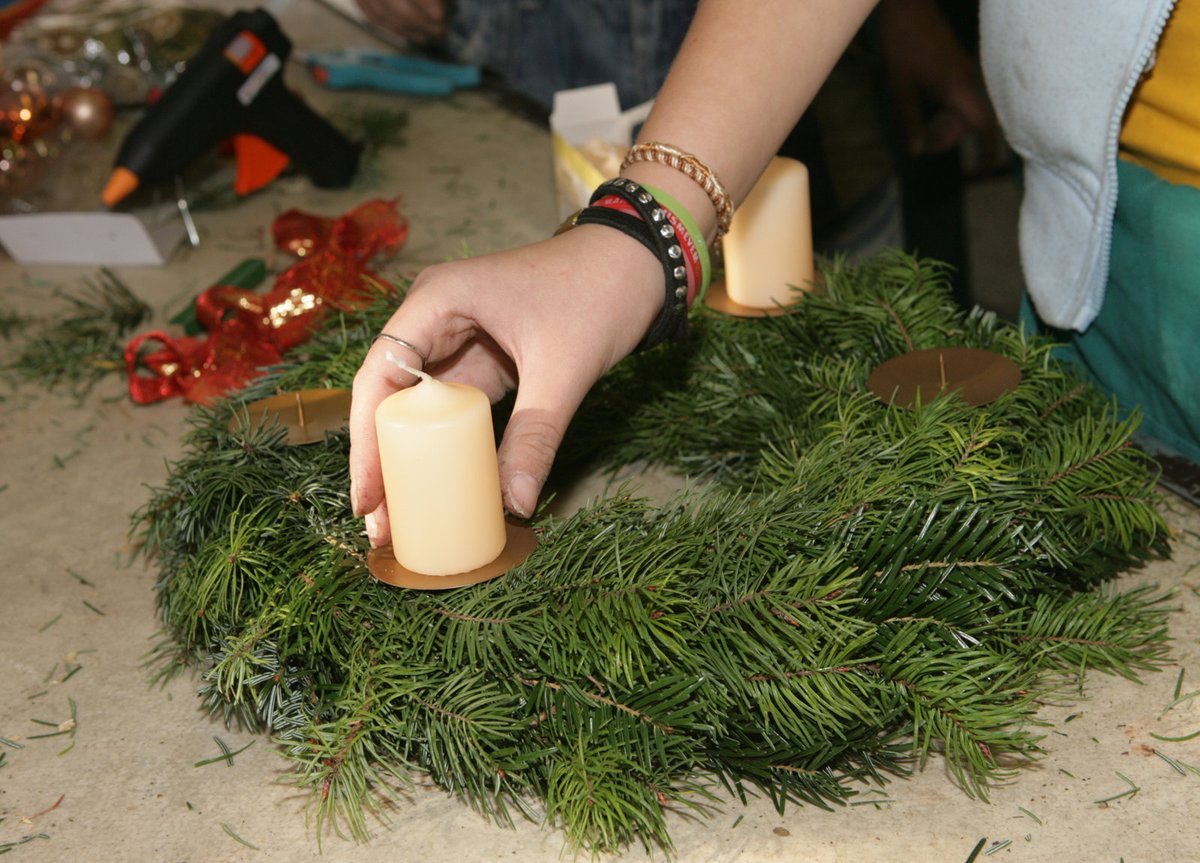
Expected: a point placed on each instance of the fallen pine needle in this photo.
(1175, 739)
(57, 802)
(1031, 815)
(226, 754)
(229, 830)
(8, 846)
(1128, 792)
(975, 851)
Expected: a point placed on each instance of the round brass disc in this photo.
(978, 376)
(520, 543)
(305, 414)
(718, 298)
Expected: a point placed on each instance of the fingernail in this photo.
(522, 495)
(372, 529)
(354, 508)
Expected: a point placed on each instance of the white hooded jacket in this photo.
(1060, 74)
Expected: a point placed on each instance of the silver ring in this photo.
(402, 343)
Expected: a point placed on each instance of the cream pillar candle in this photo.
(440, 477)
(768, 250)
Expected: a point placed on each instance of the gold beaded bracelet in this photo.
(694, 169)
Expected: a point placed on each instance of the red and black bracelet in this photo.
(626, 206)
(691, 255)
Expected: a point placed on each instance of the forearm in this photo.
(555, 316)
(742, 78)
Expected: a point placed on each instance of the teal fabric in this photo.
(1144, 347)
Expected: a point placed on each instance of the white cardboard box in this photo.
(590, 136)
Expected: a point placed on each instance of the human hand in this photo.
(417, 21)
(926, 61)
(548, 319)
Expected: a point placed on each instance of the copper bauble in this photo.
(86, 111)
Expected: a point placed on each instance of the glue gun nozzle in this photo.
(122, 182)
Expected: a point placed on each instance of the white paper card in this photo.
(89, 239)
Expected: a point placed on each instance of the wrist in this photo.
(628, 207)
(632, 281)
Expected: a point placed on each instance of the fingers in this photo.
(968, 101)
(928, 64)
(433, 334)
(379, 529)
(944, 132)
(540, 416)
(375, 381)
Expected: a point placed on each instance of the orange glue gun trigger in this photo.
(258, 163)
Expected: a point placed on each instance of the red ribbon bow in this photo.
(248, 331)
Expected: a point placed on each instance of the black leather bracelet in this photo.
(656, 233)
(630, 226)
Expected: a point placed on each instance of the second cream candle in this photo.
(768, 250)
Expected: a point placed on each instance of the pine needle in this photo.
(1131, 791)
(1031, 815)
(226, 754)
(80, 578)
(1185, 737)
(5, 847)
(230, 831)
(1175, 765)
(974, 855)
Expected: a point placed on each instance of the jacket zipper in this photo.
(1114, 141)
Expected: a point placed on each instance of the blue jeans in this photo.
(540, 46)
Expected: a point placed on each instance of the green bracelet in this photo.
(693, 230)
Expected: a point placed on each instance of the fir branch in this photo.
(86, 344)
(12, 322)
(1125, 633)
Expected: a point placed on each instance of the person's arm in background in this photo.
(551, 318)
(927, 64)
(417, 21)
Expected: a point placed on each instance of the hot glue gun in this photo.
(233, 88)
